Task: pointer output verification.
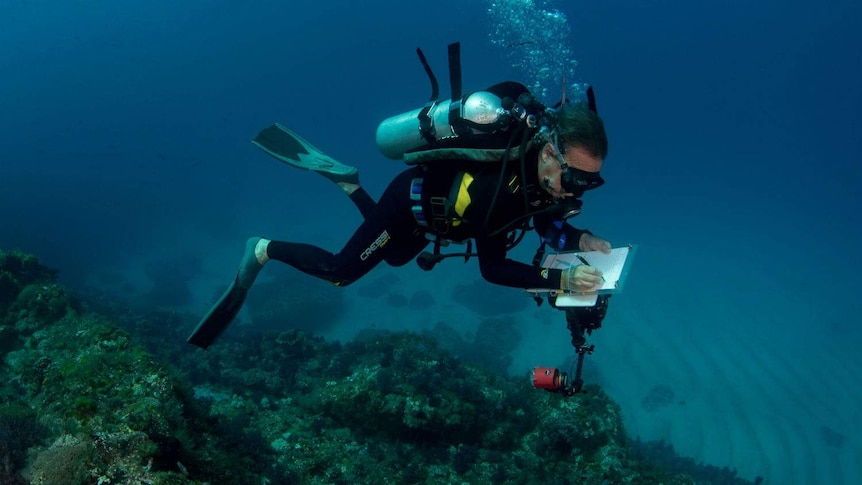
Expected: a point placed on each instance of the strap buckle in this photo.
(416, 197)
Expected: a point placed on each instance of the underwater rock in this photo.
(103, 409)
(408, 388)
(18, 431)
(293, 408)
(18, 270)
(379, 286)
(39, 305)
(661, 455)
(397, 300)
(659, 396)
(831, 437)
(171, 278)
(450, 338)
(422, 300)
(490, 300)
(294, 300)
(490, 347)
(494, 342)
(582, 426)
(8, 339)
(64, 462)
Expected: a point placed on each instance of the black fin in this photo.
(219, 317)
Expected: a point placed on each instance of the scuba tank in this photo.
(478, 126)
(478, 113)
(481, 126)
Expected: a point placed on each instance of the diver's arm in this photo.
(558, 235)
(498, 269)
(562, 236)
(588, 242)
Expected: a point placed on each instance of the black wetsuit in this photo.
(391, 233)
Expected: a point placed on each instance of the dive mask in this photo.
(574, 180)
(577, 181)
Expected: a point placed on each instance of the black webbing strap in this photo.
(435, 88)
(591, 100)
(426, 124)
(455, 70)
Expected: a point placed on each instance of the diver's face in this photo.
(550, 171)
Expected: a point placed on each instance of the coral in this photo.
(39, 305)
(103, 398)
(8, 339)
(405, 386)
(18, 270)
(289, 407)
(581, 425)
(662, 456)
(18, 432)
(65, 462)
(109, 411)
(9, 288)
(463, 458)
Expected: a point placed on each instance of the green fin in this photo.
(290, 148)
(219, 317)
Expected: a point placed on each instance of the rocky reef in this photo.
(91, 393)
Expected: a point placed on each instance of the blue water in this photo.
(735, 164)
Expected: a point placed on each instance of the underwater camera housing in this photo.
(554, 380)
(586, 319)
(549, 378)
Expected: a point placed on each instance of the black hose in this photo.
(435, 88)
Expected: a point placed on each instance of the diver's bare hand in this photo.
(588, 242)
(581, 278)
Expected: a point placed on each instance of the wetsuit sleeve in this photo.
(498, 269)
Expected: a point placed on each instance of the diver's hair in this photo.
(578, 126)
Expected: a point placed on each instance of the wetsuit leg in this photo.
(367, 206)
(363, 202)
(389, 233)
(409, 248)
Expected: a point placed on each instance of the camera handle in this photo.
(580, 323)
(578, 381)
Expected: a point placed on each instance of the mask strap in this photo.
(560, 159)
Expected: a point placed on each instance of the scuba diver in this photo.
(450, 195)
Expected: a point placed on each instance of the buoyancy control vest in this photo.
(499, 124)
